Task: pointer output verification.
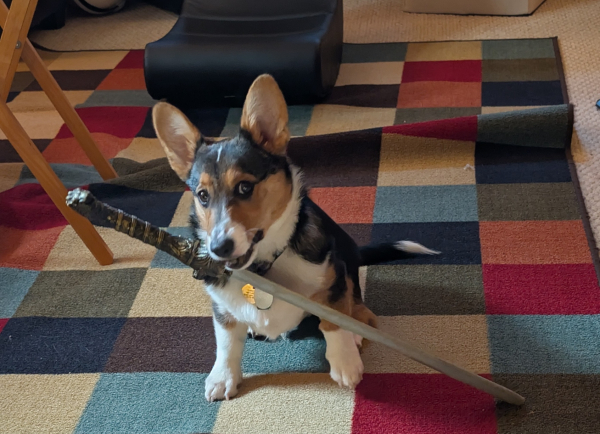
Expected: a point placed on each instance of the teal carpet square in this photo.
(164, 260)
(425, 204)
(518, 49)
(15, 284)
(284, 355)
(545, 344)
(145, 403)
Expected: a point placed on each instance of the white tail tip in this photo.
(411, 247)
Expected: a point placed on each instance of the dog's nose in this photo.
(222, 248)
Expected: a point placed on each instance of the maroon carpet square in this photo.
(132, 60)
(421, 403)
(3, 322)
(453, 70)
(559, 289)
(181, 344)
(28, 207)
(124, 122)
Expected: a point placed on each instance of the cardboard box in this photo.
(473, 7)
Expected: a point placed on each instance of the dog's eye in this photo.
(204, 197)
(244, 189)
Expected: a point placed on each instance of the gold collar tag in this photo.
(258, 298)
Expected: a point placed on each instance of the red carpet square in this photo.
(26, 250)
(421, 403)
(454, 70)
(124, 79)
(346, 204)
(123, 122)
(439, 94)
(3, 322)
(560, 289)
(68, 150)
(534, 242)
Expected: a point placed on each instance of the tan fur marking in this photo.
(265, 115)
(234, 175)
(204, 216)
(267, 204)
(206, 181)
(346, 305)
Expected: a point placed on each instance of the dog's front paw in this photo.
(346, 369)
(222, 383)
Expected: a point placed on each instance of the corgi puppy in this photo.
(251, 209)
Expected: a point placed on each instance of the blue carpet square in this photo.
(458, 241)
(545, 344)
(284, 355)
(163, 259)
(503, 164)
(156, 207)
(149, 403)
(36, 345)
(437, 203)
(15, 284)
(521, 93)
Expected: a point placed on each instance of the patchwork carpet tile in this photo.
(462, 146)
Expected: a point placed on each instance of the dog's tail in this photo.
(386, 252)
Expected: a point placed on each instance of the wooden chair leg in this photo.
(50, 87)
(40, 168)
(15, 27)
(65, 109)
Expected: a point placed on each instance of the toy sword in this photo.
(194, 254)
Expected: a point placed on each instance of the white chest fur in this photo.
(289, 270)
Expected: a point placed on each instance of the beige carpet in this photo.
(575, 22)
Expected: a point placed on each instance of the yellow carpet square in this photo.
(182, 213)
(328, 119)
(39, 125)
(47, 56)
(407, 160)
(9, 175)
(460, 339)
(38, 101)
(43, 403)
(489, 110)
(69, 252)
(431, 51)
(271, 403)
(171, 292)
(370, 73)
(142, 149)
(87, 60)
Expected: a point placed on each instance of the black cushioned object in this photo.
(218, 47)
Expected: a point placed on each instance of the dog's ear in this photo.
(265, 115)
(178, 137)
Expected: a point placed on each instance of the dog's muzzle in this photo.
(240, 262)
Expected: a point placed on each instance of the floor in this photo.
(575, 22)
